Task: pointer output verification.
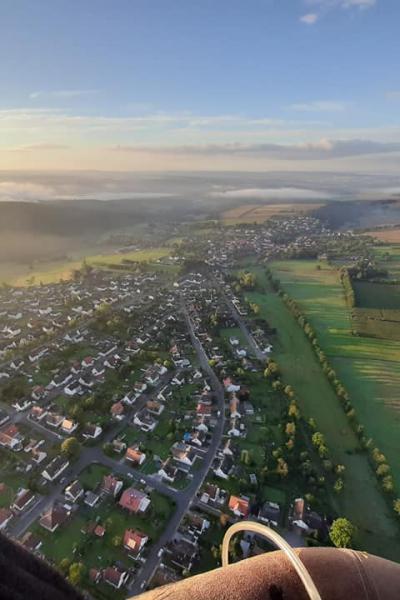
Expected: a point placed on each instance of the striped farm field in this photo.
(259, 213)
(369, 367)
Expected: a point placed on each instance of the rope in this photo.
(274, 537)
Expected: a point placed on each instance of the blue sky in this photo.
(167, 84)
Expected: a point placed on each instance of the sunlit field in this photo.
(369, 367)
(54, 271)
(258, 213)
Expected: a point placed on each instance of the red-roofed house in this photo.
(134, 501)
(240, 506)
(115, 577)
(11, 438)
(135, 456)
(134, 542)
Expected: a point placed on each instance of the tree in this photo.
(71, 447)
(339, 485)
(318, 439)
(396, 506)
(116, 541)
(342, 532)
(383, 469)
(64, 565)
(76, 573)
(282, 468)
(290, 429)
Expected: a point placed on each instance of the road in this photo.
(95, 455)
(184, 498)
(259, 354)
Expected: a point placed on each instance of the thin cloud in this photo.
(309, 19)
(319, 106)
(61, 94)
(323, 7)
(323, 149)
(283, 193)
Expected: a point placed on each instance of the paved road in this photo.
(185, 497)
(259, 354)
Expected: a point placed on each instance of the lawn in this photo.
(91, 477)
(320, 295)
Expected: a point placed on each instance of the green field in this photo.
(320, 294)
(377, 295)
(53, 271)
(369, 367)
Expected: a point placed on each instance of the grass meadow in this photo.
(355, 359)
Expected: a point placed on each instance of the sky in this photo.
(171, 85)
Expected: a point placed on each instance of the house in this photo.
(163, 576)
(73, 388)
(145, 420)
(38, 456)
(91, 431)
(11, 438)
(55, 468)
(111, 485)
(91, 499)
(23, 499)
(239, 505)
(38, 393)
(31, 542)
(224, 467)
(303, 519)
(152, 375)
(211, 494)
(95, 575)
(230, 386)
(86, 381)
(68, 426)
(21, 405)
(117, 411)
(135, 456)
(87, 362)
(269, 513)
(73, 491)
(196, 524)
(139, 387)
(37, 413)
(54, 420)
(54, 517)
(134, 542)
(154, 407)
(182, 553)
(167, 471)
(129, 398)
(116, 577)
(5, 517)
(134, 501)
(118, 445)
(183, 454)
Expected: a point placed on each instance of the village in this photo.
(138, 421)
